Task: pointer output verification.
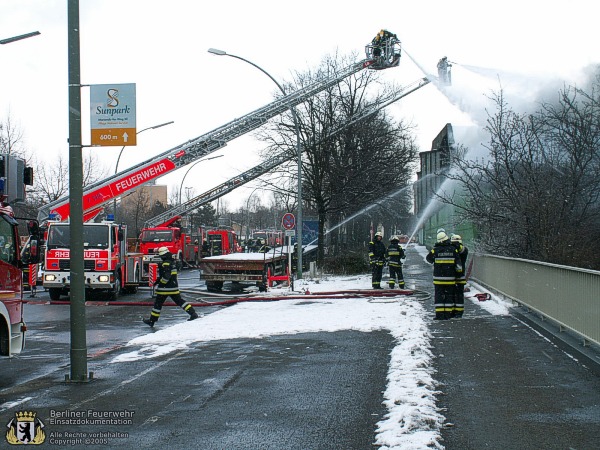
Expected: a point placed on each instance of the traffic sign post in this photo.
(288, 221)
(112, 114)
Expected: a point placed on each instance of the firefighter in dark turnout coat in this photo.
(377, 257)
(446, 267)
(461, 280)
(395, 255)
(167, 286)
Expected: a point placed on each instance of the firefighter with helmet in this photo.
(446, 268)
(264, 247)
(461, 279)
(395, 254)
(167, 286)
(377, 257)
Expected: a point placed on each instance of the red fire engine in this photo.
(12, 261)
(107, 265)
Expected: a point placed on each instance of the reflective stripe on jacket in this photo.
(167, 282)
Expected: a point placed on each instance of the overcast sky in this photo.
(162, 47)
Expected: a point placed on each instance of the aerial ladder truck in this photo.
(107, 266)
(213, 268)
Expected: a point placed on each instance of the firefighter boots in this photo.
(149, 322)
(193, 316)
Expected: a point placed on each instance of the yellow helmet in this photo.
(456, 238)
(441, 236)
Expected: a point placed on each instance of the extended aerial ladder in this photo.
(113, 187)
(173, 214)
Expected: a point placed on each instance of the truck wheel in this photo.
(114, 293)
(4, 341)
(214, 286)
(54, 293)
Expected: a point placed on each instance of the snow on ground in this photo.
(412, 421)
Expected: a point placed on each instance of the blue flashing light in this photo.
(110, 217)
(52, 216)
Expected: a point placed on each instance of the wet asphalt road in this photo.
(305, 391)
(502, 384)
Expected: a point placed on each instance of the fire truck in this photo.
(12, 261)
(222, 242)
(273, 238)
(109, 268)
(183, 246)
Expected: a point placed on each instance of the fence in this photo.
(566, 295)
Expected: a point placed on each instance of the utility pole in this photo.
(78, 320)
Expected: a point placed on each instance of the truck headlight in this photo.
(103, 278)
(49, 277)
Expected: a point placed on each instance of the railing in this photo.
(566, 295)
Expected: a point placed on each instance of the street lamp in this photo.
(121, 152)
(218, 52)
(8, 41)
(188, 171)
(18, 38)
(248, 212)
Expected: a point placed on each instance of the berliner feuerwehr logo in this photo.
(25, 428)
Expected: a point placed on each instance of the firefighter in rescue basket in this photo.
(167, 286)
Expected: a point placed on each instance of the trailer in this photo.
(253, 268)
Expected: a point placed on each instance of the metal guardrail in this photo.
(566, 295)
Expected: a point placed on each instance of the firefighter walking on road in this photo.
(377, 257)
(446, 268)
(395, 254)
(167, 286)
(461, 280)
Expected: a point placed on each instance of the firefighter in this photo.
(395, 254)
(166, 286)
(446, 268)
(377, 257)
(205, 249)
(264, 247)
(461, 280)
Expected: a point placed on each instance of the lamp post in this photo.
(248, 212)
(218, 52)
(2, 42)
(121, 152)
(188, 171)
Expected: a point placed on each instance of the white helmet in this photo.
(395, 238)
(379, 233)
(456, 238)
(441, 236)
(440, 230)
(163, 251)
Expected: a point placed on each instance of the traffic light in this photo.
(14, 176)
(28, 176)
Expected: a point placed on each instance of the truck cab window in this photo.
(7, 242)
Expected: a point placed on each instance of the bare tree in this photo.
(344, 171)
(11, 139)
(537, 193)
(51, 181)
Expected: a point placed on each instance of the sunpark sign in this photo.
(112, 114)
